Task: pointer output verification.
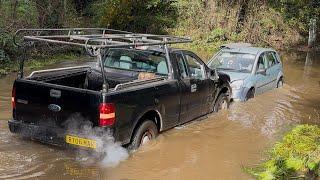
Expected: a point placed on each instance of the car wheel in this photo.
(221, 103)
(280, 83)
(146, 132)
(249, 95)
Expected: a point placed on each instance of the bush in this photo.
(138, 16)
(296, 156)
(3, 57)
(216, 35)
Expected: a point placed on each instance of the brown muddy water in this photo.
(215, 147)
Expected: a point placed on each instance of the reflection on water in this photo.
(214, 148)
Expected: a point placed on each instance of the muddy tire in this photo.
(280, 83)
(250, 94)
(221, 103)
(146, 132)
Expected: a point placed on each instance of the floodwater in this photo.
(215, 147)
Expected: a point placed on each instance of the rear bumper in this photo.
(48, 135)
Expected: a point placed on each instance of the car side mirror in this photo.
(262, 71)
(213, 75)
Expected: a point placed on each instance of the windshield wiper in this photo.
(243, 70)
(226, 69)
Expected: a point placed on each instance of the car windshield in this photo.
(232, 61)
(137, 60)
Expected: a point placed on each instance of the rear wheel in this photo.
(221, 103)
(250, 94)
(146, 132)
(280, 83)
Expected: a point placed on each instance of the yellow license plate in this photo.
(74, 140)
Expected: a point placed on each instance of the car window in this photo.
(233, 61)
(181, 65)
(195, 68)
(262, 62)
(270, 58)
(136, 60)
(276, 57)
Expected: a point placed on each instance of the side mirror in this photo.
(262, 71)
(213, 75)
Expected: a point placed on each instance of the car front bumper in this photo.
(239, 94)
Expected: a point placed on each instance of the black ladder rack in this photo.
(93, 39)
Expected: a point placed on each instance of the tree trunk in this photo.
(242, 14)
(14, 4)
(312, 33)
(42, 14)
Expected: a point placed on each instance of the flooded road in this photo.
(215, 147)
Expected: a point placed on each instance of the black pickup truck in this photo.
(149, 91)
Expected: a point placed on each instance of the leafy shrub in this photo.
(139, 16)
(297, 155)
(217, 34)
(3, 57)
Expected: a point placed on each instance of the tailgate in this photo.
(52, 105)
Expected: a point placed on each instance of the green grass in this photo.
(35, 63)
(296, 156)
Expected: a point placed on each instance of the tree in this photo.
(298, 12)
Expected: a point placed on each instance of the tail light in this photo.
(13, 98)
(107, 114)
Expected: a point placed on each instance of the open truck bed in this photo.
(52, 103)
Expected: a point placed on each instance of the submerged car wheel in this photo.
(250, 94)
(221, 103)
(146, 132)
(280, 83)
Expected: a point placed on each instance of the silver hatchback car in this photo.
(252, 70)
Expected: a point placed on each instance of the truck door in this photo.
(184, 84)
(194, 87)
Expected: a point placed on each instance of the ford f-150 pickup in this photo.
(135, 92)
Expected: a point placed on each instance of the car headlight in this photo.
(237, 84)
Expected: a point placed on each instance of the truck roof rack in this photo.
(95, 38)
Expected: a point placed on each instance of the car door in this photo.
(184, 84)
(273, 70)
(196, 87)
(261, 77)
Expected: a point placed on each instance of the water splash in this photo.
(108, 153)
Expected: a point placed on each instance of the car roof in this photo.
(243, 48)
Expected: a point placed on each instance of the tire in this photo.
(221, 103)
(145, 132)
(280, 83)
(250, 94)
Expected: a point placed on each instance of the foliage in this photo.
(212, 23)
(35, 63)
(146, 16)
(297, 13)
(297, 155)
(18, 14)
(209, 23)
(217, 34)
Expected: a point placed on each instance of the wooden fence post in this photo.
(312, 33)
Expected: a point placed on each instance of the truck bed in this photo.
(77, 91)
(83, 77)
